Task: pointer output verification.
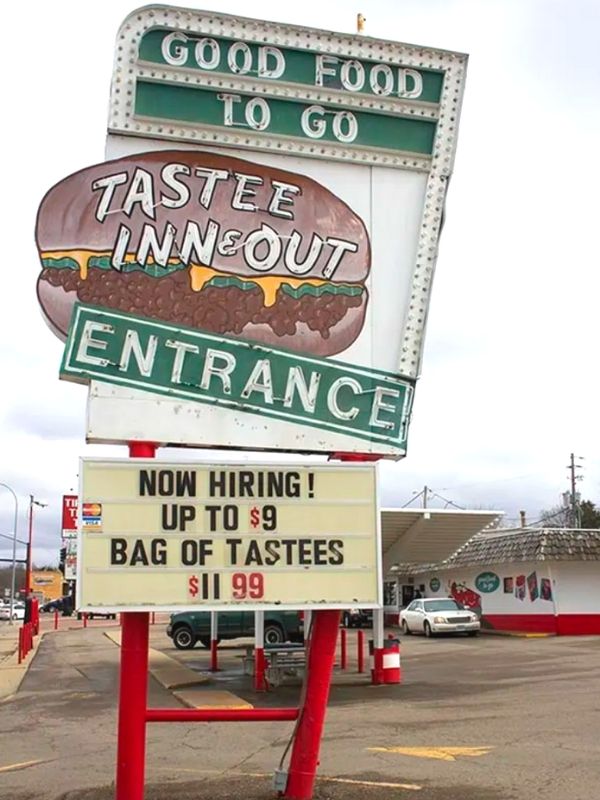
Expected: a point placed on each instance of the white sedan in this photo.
(18, 611)
(431, 616)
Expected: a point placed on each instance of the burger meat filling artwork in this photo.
(210, 242)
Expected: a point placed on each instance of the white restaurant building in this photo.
(534, 580)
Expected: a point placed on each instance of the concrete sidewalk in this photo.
(11, 672)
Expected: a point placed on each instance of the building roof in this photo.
(520, 544)
(422, 535)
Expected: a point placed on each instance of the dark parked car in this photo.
(52, 605)
(357, 617)
(189, 627)
(96, 615)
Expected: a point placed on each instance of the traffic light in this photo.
(62, 559)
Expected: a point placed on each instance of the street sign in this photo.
(171, 536)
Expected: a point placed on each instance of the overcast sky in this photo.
(509, 378)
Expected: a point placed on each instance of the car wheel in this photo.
(183, 638)
(472, 633)
(274, 634)
(427, 630)
(405, 628)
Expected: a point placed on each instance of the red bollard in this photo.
(214, 663)
(153, 618)
(85, 620)
(55, 620)
(360, 639)
(376, 660)
(260, 665)
(392, 672)
(343, 648)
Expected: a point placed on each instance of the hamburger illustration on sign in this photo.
(251, 267)
(209, 242)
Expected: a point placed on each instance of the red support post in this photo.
(260, 664)
(35, 616)
(133, 688)
(361, 650)
(307, 740)
(214, 660)
(343, 648)
(214, 641)
(153, 618)
(221, 714)
(55, 620)
(20, 644)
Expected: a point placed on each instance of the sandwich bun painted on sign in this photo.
(204, 240)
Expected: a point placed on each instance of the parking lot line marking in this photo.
(440, 753)
(21, 765)
(383, 784)
(414, 787)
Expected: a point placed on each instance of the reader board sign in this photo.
(172, 536)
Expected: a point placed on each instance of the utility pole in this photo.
(425, 490)
(574, 511)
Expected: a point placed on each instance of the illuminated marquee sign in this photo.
(282, 88)
(173, 536)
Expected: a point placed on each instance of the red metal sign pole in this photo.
(307, 741)
(133, 688)
(343, 648)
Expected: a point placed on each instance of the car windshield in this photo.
(443, 605)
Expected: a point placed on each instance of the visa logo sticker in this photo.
(91, 517)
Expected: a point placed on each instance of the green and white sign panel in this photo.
(185, 364)
(251, 266)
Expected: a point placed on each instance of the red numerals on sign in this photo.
(267, 516)
(251, 585)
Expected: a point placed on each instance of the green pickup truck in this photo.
(189, 627)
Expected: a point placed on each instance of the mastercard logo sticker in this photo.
(92, 509)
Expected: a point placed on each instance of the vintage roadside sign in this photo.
(278, 189)
(223, 372)
(162, 535)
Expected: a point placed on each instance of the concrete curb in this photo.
(518, 634)
(12, 673)
(169, 672)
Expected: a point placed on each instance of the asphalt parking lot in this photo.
(491, 718)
